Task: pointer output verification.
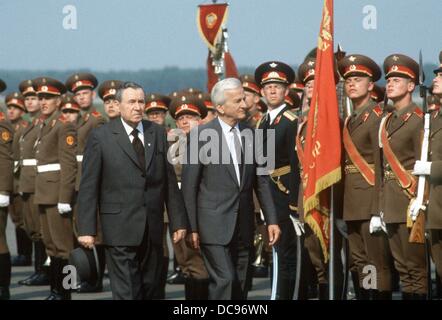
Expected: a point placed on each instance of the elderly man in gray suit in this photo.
(218, 190)
(127, 176)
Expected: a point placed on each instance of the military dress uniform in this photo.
(55, 184)
(108, 89)
(434, 216)
(362, 178)
(401, 137)
(26, 187)
(189, 259)
(285, 176)
(6, 188)
(24, 243)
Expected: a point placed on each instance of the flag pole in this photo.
(331, 262)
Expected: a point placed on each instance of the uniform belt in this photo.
(389, 175)
(48, 167)
(280, 172)
(28, 162)
(351, 168)
(79, 158)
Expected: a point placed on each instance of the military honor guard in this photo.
(363, 171)
(55, 151)
(106, 92)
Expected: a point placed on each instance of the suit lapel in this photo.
(224, 147)
(124, 141)
(149, 142)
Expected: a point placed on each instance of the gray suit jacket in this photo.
(126, 196)
(214, 200)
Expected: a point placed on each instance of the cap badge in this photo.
(352, 67)
(352, 58)
(44, 88)
(273, 65)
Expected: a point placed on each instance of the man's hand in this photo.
(64, 207)
(4, 200)
(179, 235)
(298, 225)
(377, 224)
(414, 208)
(86, 241)
(422, 168)
(194, 239)
(274, 233)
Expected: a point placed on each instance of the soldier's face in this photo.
(132, 105)
(14, 113)
(251, 100)
(186, 122)
(309, 88)
(358, 87)
(274, 93)
(111, 108)
(32, 104)
(84, 98)
(437, 84)
(71, 115)
(234, 106)
(159, 117)
(398, 87)
(48, 104)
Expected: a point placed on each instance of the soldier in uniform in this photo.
(26, 186)
(107, 91)
(274, 78)
(188, 110)
(156, 108)
(293, 100)
(367, 243)
(16, 109)
(298, 87)
(433, 168)
(400, 137)
(6, 180)
(55, 181)
(252, 92)
(82, 85)
(70, 108)
(377, 94)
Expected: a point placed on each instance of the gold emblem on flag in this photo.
(211, 19)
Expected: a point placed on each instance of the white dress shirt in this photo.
(273, 113)
(129, 130)
(228, 134)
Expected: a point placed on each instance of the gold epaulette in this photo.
(290, 115)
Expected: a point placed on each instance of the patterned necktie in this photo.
(139, 149)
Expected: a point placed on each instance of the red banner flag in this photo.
(323, 139)
(210, 18)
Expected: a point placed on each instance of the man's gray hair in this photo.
(124, 86)
(217, 94)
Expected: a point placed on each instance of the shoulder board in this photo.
(378, 110)
(2, 116)
(62, 119)
(418, 112)
(290, 115)
(96, 114)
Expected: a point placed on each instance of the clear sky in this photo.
(152, 34)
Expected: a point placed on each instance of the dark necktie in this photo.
(238, 151)
(266, 122)
(139, 149)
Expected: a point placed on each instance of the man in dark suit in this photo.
(127, 176)
(217, 188)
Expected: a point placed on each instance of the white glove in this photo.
(377, 224)
(422, 168)
(298, 225)
(64, 207)
(4, 200)
(414, 208)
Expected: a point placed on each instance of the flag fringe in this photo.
(318, 233)
(321, 184)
